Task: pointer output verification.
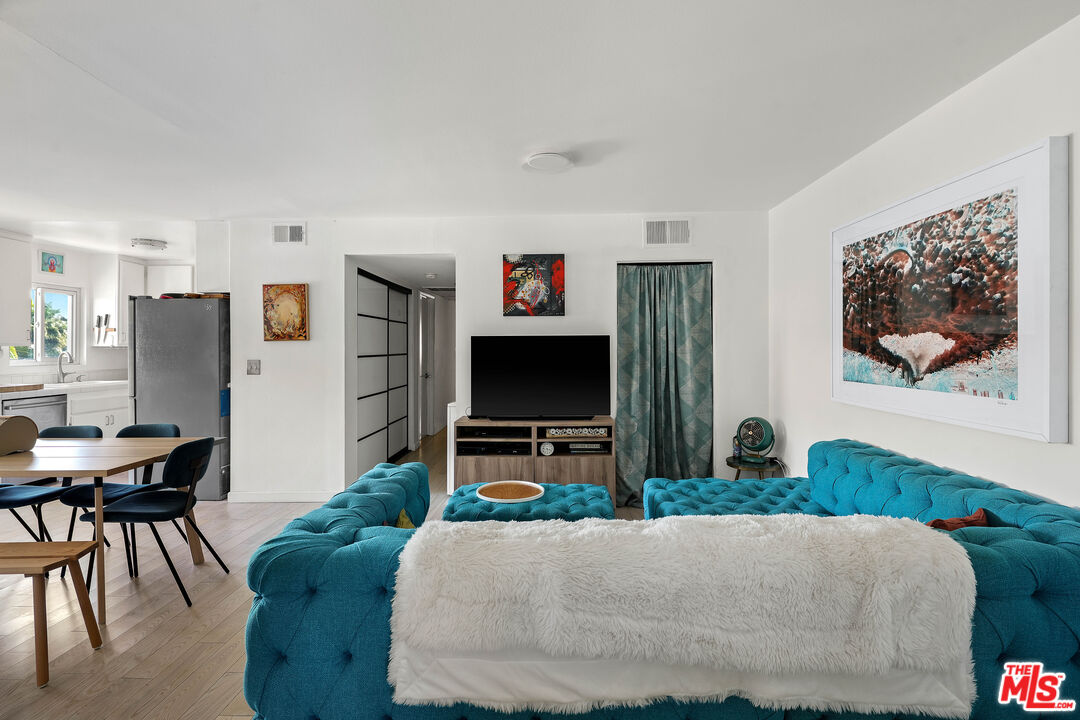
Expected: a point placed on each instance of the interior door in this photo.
(427, 349)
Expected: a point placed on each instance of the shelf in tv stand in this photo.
(484, 440)
(562, 467)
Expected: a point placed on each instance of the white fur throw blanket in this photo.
(775, 595)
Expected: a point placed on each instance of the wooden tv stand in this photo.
(490, 450)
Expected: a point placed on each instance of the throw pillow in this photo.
(975, 519)
(403, 521)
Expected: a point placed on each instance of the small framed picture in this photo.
(52, 263)
(285, 312)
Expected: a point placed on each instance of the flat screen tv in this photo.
(541, 376)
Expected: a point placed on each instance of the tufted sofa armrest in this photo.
(1027, 607)
(318, 631)
(318, 636)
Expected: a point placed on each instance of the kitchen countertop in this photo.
(70, 388)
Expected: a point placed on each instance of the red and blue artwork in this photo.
(534, 285)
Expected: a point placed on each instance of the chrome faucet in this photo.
(60, 366)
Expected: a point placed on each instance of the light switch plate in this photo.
(254, 367)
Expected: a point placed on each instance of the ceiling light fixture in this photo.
(431, 276)
(149, 243)
(548, 162)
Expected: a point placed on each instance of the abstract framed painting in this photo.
(285, 312)
(52, 263)
(952, 305)
(534, 285)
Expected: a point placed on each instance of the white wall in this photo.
(1029, 97)
(291, 425)
(95, 363)
(211, 256)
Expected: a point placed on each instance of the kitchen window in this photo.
(54, 317)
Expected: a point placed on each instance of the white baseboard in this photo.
(282, 496)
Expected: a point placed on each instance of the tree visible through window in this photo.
(52, 316)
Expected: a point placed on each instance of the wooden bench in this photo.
(34, 559)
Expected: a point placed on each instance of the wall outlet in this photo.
(254, 367)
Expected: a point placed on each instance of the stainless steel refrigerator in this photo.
(178, 372)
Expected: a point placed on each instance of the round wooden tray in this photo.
(509, 491)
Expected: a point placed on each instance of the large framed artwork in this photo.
(952, 305)
(534, 285)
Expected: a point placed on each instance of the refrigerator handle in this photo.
(132, 389)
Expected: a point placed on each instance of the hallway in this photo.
(432, 452)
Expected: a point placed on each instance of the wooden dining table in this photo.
(96, 458)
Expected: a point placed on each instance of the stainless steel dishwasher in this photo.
(45, 411)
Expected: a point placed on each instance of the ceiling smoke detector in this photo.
(548, 162)
(149, 243)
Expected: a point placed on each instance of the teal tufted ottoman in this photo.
(712, 496)
(559, 502)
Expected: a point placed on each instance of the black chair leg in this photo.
(90, 563)
(134, 551)
(43, 532)
(71, 523)
(66, 482)
(179, 530)
(71, 533)
(169, 562)
(25, 525)
(107, 543)
(127, 550)
(208, 545)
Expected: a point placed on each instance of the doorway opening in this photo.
(400, 356)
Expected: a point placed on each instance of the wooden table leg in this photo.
(193, 541)
(84, 603)
(41, 632)
(99, 529)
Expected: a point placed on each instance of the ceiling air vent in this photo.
(667, 232)
(290, 234)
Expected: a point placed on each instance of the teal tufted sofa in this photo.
(1027, 568)
(318, 635)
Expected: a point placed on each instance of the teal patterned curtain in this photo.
(664, 398)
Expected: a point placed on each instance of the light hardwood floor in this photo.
(432, 452)
(160, 658)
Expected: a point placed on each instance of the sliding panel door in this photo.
(398, 374)
(382, 406)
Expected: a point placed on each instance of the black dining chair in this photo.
(183, 469)
(13, 497)
(82, 497)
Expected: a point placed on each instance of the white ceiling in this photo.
(411, 270)
(136, 110)
(115, 237)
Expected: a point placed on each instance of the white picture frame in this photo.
(1032, 184)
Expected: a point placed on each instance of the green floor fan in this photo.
(756, 438)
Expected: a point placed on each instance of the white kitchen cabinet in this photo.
(104, 276)
(110, 411)
(15, 264)
(132, 281)
(168, 279)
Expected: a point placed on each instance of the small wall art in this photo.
(52, 263)
(534, 285)
(285, 312)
